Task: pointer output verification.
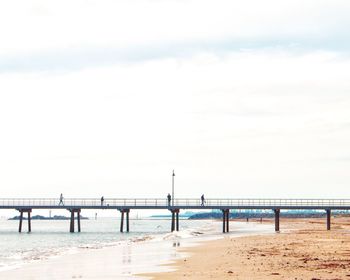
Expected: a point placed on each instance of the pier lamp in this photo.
(172, 193)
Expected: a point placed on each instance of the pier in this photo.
(124, 206)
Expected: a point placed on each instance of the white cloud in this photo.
(32, 26)
(242, 124)
(242, 98)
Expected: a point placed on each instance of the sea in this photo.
(51, 238)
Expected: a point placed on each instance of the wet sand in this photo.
(303, 250)
(126, 260)
(116, 262)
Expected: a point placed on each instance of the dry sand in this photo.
(303, 250)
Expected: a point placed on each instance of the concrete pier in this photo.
(124, 205)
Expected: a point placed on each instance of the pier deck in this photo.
(124, 205)
(159, 203)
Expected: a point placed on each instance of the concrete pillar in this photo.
(20, 221)
(72, 219)
(223, 220)
(277, 219)
(71, 229)
(124, 214)
(127, 220)
(122, 221)
(78, 218)
(21, 211)
(328, 211)
(29, 222)
(172, 220)
(177, 220)
(228, 220)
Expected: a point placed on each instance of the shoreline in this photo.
(121, 261)
(304, 249)
(128, 260)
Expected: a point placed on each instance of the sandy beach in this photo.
(127, 259)
(303, 250)
(115, 262)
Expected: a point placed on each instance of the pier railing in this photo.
(163, 202)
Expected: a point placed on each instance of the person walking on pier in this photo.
(169, 199)
(61, 200)
(202, 200)
(102, 200)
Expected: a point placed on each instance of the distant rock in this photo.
(258, 215)
(39, 217)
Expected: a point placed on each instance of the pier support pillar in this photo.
(225, 220)
(127, 221)
(124, 212)
(175, 219)
(71, 227)
(328, 219)
(172, 220)
(72, 219)
(78, 218)
(228, 220)
(122, 221)
(277, 219)
(29, 221)
(21, 219)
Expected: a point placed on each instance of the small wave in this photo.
(181, 234)
(142, 238)
(197, 233)
(40, 246)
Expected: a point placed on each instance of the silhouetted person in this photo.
(102, 200)
(202, 200)
(169, 199)
(61, 200)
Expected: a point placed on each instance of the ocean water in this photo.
(51, 239)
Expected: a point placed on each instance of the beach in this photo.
(304, 249)
(116, 262)
(134, 254)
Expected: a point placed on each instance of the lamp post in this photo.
(172, 193)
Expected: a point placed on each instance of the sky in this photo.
(243, 99)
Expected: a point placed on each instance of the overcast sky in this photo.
(242, 98)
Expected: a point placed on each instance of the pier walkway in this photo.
(125, 205)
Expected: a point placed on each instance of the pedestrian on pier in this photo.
(61, 200)
(102, 200)
(202, 200)
(169, 199)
